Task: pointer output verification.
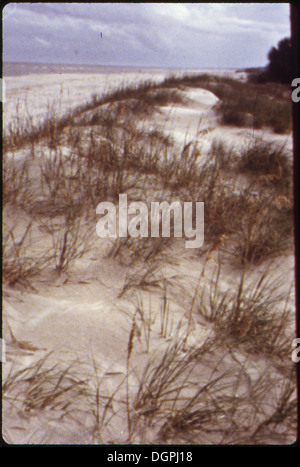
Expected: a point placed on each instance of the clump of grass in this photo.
(257, 106)
(256, 214)
(132, 250)
(247, 314)
(19, 131)
(44, 387)
(266, 163)
(148, 315)
(236, 111)
(63, 179)
(22, 131)
(164, 379)
(243, 103)
(19, 264)
(223, 210)
(53, 174)
(16, 181)
(281, 423)
(183, 169)
(70, 241)
(196, 417)
(266, 112)
(225, 202)
(225, 411)
(44, 391)
(267, 159)
(224, 156)
(265, 230)
(100, 406)
(281, 117)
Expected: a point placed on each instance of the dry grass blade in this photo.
(43, 386)
(18, 265)
(247, 314)
(16, 182)
(71, 241)
(165, 378)
(144, 278)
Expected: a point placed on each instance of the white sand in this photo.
(77, 320)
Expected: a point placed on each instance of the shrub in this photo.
(269, 163)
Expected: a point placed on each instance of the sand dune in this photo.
(85, 316)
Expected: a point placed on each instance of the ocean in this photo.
(23, 69)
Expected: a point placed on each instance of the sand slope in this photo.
(78, 317)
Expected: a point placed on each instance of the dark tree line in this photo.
(280, 66)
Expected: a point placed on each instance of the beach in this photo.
(140, 340)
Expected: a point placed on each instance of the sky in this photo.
(179, 35)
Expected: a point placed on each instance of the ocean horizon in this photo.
(28, 68)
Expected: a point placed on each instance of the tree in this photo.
(280, 62)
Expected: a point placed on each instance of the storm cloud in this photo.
(144, 34)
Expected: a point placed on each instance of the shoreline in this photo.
(14, 69)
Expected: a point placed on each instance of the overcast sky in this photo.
(199, 35)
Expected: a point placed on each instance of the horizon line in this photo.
(127, 66)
